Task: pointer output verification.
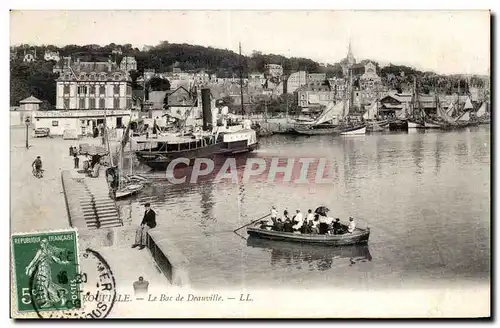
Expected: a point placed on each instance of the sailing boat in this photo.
(119, 185)
(482, 116)
(371, 115)
(416, 120)
(321, 125)
(346, 127)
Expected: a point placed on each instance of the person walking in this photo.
(148, 222)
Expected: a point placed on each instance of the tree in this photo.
(133, 76)
(158, 84)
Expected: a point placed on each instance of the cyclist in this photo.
(37, 166)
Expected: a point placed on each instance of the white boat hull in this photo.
(432, 126)
(355, 132)
(413, 125)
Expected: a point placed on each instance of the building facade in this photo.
(81, 121)
(52, 55)
(128, 64)
(316, 77)
(93, 85)
(370, 85)
(296, 80)
(274, 70)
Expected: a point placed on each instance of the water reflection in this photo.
(317, 257)
(418, 153)
(438, 150)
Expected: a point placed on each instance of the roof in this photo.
(30, 100)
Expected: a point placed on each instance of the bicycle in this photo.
(38, 173)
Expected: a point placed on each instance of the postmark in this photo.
(96, 286)
(44, 264)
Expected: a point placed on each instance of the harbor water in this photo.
(424, 194)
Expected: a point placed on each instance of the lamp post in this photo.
(27, 121)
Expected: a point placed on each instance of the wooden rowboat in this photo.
(358, 236)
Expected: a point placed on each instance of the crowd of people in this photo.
(310, 223)
(91, 164)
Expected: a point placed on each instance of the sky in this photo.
(447, 42)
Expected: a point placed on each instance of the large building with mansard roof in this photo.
(93, 85)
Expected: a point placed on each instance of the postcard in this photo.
(250, 164)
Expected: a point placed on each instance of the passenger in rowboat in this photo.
(274, 215)
(278, 225)
(298, 220)
(352, 225)
(324, 224)
(337, 227)
(288, 225)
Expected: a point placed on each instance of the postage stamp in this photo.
(46, 271)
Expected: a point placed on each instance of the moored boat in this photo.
(355, 130)
(213, 140)
(358, 236)
(128, 190)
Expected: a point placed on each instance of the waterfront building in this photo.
(81, 121)
(93, 85)
(180, 101)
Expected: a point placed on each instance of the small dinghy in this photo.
(128, 190)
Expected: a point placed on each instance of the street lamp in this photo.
(27, 121)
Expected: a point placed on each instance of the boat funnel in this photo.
(207, 110)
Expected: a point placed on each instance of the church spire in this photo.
(350, 57)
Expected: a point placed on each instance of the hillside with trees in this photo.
(38, 79)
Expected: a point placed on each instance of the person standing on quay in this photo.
(148, 222)
(77, 160)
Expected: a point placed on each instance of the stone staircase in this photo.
(88, 202)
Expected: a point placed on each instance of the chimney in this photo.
(207, 110)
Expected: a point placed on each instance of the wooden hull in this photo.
(415, 125)
(359, 236)
(128, 191)
(398, 125)
(311, 131)
(377, 126)
(160, 160)
(354, 131)
(430, 125)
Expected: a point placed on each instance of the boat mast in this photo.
(241, 83)
(106, 138)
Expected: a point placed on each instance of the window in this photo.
(66, 103)
(102, 103)
(129, 90)
(92, 103)
(66, 89)
(82, 90)
(129, 103)
(81, 103)
(102, 90)
(92, 89)
(55, 123)
(116, 89)
(116, 103)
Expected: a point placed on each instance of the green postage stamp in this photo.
(46, 271)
